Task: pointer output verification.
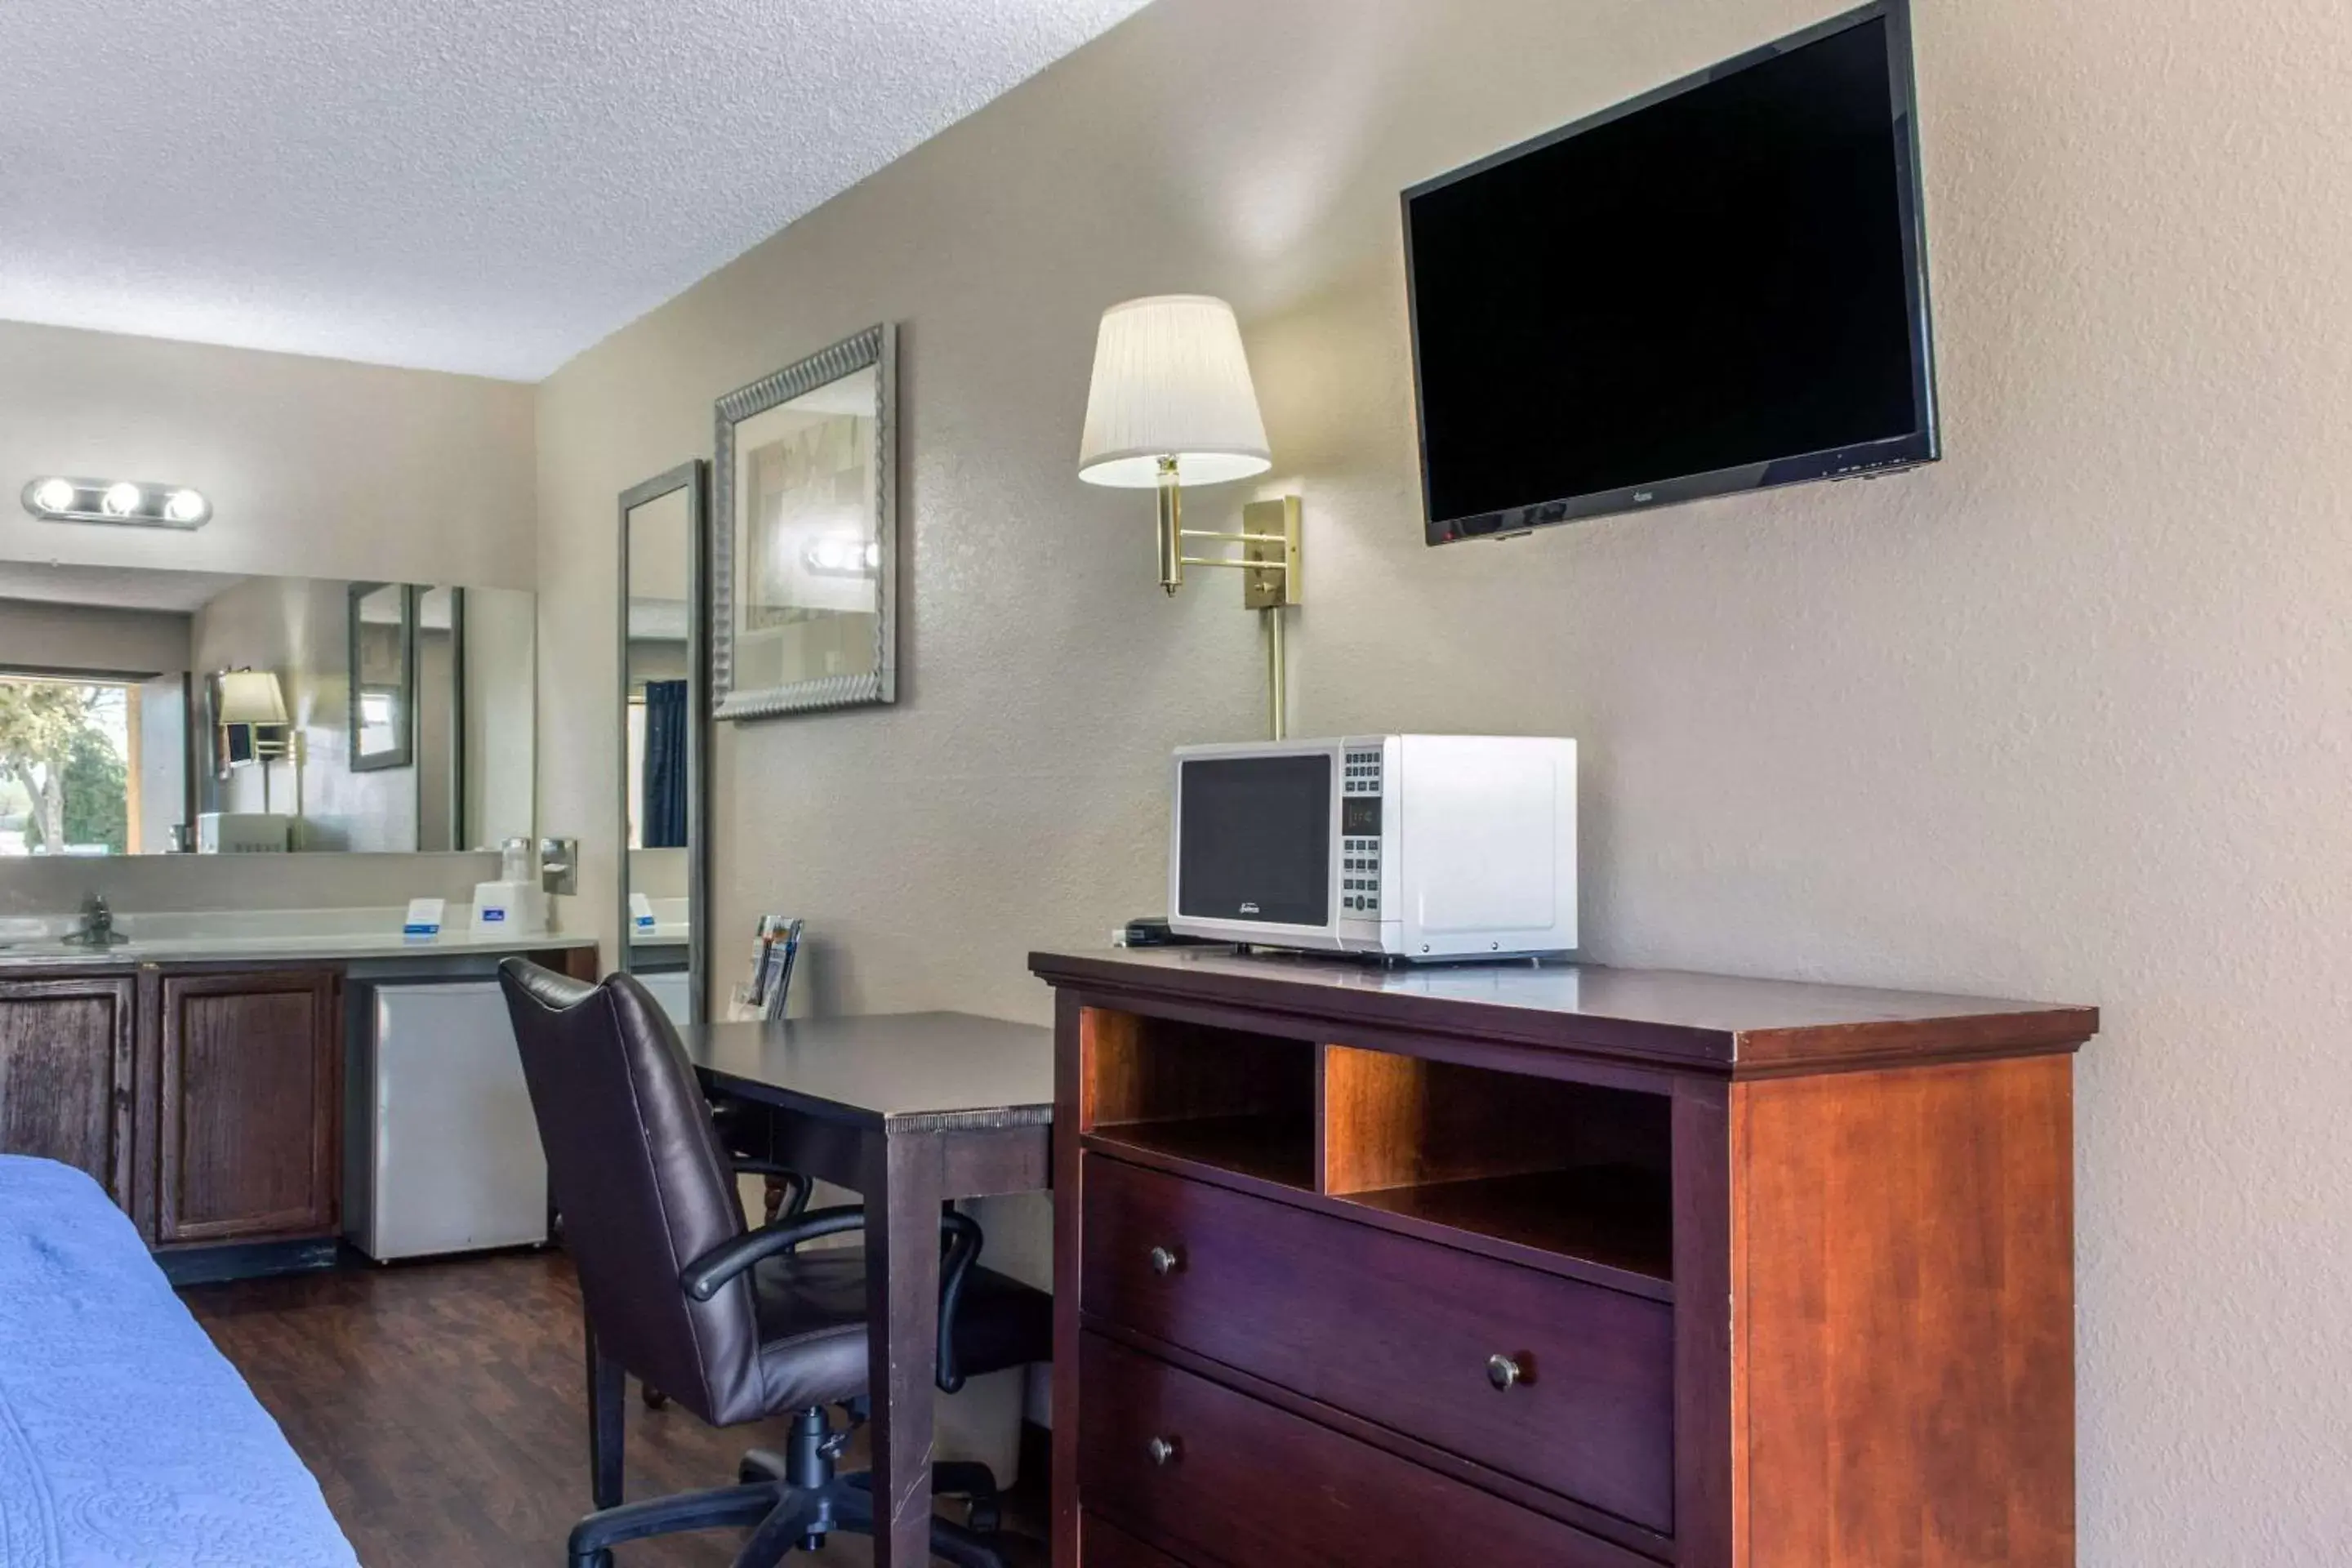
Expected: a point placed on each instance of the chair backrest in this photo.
(637, 1175)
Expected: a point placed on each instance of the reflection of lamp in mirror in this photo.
(842, 556)
(253, 700)
(1172, 402)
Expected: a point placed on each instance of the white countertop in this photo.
(244, 935)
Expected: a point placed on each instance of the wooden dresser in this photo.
(1557, 1267)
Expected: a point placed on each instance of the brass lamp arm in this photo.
(1282, 539)
(1241, 561)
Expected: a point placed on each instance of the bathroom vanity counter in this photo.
(198, 1070)
(264, 936)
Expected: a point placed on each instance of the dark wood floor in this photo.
(440, 1406)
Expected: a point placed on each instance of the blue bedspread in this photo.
(126, 1440)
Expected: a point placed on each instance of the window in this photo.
(68, 770)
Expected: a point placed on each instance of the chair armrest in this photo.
(800, 1186)
(702, 1278)
(961, 1239)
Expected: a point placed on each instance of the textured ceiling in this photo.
(450, 184)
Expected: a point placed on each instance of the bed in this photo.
(126, 1440)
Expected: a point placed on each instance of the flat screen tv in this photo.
(1719, 285)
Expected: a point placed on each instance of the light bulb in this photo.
(184, 506)
(120, 500)
(53, 495)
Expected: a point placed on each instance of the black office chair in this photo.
(734, 1323)
(744, 1138)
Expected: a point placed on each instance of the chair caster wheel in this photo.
(654, 1397)
(984, 1517)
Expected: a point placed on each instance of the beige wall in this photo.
(2064, 716)
(46, 637)
(316, 467)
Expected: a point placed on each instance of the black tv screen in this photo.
(1719, 285)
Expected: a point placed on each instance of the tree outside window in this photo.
(65, 776)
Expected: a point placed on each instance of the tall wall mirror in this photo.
(151, 713)
(664, 726)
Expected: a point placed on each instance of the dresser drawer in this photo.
(1215, 1475)
(1396, 1331)
(1107, 1546)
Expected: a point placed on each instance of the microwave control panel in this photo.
(1359, 834)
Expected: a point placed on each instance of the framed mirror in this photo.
(665, 725)
(211, 713)
(805, 546)
(383, 675)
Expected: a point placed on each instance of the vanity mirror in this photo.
(147, 712)
(664, 709)
(805, 557)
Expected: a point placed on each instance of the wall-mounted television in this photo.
(1719, 285)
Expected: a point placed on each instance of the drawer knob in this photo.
(1164, 1261)
(1162, 1451)
(1504, 1373)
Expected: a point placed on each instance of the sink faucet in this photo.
(97, 925)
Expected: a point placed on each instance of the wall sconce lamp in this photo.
(1171, 404)
(251, 699)
(57, 499)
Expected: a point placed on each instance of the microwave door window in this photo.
(1256, 840)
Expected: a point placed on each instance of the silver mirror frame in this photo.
(877, 346)
(693, 477)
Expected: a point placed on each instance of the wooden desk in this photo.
(909, 1110)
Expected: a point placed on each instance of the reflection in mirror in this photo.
(661, 719)
(809, 535)
(143, 712)
(383, 675)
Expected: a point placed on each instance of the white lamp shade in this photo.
(1171, 381)
(251, 697)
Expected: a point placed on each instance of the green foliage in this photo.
(53, 747)
(38, 720)
(98, 793)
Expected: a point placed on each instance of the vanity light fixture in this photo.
(1172, 402)
(55, 499)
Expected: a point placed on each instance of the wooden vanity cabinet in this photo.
(247, 1095)
(66, 1072)
(205, 1098)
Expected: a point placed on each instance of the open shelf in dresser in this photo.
(1220, 1099)
(1573, 1170)
(1563, 1176)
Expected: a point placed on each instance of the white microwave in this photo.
(1415, 847)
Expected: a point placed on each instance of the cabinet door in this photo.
(251, 1070)
(65, 1073)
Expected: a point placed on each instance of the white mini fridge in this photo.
(443, 1154)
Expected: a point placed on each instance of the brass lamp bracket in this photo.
(1269, 557)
